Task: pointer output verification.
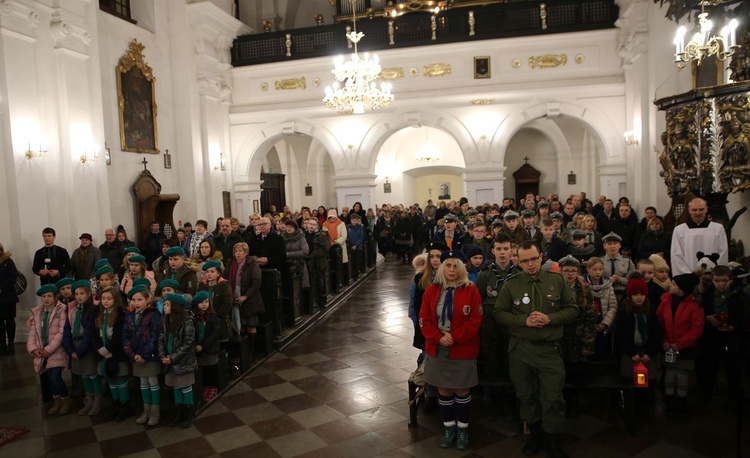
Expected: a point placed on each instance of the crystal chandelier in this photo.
(428, 152)
(355, 87)
(702, 44)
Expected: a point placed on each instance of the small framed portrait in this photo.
(571, 178)
(256, 206)
(387, 188)
(481, 67)
(308, 190)
(444, 191)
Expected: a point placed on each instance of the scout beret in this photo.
(175, 251)
(199, 297)
(169, 283)
(212, 263)
(81, 284)
(142, 281)
(132, 249)
(64, 282)
(137, 289)
(137, 258)
(103, 270)
(46, 289)
(100, 263)
(175, 298)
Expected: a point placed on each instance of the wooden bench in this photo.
(605, 377)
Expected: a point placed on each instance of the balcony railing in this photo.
(416, 29)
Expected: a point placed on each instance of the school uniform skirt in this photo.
(147, 369)
(442, 371)
(205, 359)
(121, 371)
(179, 380)
(85, 365)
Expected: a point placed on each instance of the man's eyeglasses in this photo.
(528, 261)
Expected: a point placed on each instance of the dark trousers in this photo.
(8, 325)
(707, 366)
(53, 384)
(356, 257)
(210, 375)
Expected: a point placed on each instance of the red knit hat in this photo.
(636, 285)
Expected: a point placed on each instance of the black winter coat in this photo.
(60, 260)
(210, 342)
(114, 343)
(183, 347)
(655, 242)
(8, 297)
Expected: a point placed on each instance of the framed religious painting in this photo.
(136, 99)
(482, 67)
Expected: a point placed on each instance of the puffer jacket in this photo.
(88, 323)
(142, 340)
(296, 251)
(114, 343)
(55, 330)
(183, 348)
(185, 276)
(210, 342)
(221, 299)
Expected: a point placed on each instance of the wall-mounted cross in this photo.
(144, 162)
(526, 159)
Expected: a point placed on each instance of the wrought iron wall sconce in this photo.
(31, 154)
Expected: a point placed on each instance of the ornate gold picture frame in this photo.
(136, 99)
(482, 67)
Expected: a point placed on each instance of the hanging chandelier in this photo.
(702, 44)
(427, 153)
(355, 87)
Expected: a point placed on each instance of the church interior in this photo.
(118, 112)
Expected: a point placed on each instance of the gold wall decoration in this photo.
(482, 101)
(413, 72)
(516, 63)
(264, 87)
(436, 70)
(580, 58)
(136, 99)
(548, 61)
(290, 84)
(316, 82)
(393, 73)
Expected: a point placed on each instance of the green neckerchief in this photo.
(104, 328)
(720, 302)
(138, 316)
(170, 343)
(77, 322)
(201, 331)
(45, 326)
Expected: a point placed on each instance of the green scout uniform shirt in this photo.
(486, 282)
(519, 298)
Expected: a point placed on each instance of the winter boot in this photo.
(143, 418)
(153, 420)
(212, 392)
(554, 450)
(65, 406)
(123, 412)
(462, 439)
(3, 347)
(88, 403)
(179, 413)
(11, 348)
(56, 403)
(112, 413)
(97, 404)
(449, 436)
(536, 439)
(187, 416)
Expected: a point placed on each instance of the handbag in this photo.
(20, 284)
(417, 378)
(236, 319)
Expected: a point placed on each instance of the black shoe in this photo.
(431, 406)
(554, 450)
(123, 412)
(3, 348)
(187, 417)
(11, 348)
(178, 416)
(536, 439)
(111, 414)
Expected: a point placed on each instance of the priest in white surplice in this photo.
(697, 234)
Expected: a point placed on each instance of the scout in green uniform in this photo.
(579, 336)
(494, 347)
(180, 272)
(535, 305)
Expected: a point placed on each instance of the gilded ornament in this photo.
(482, 102)
(580, 58)
(548, 61)
(316, 82)
(516, 63)
(264, 87)
(413, 72)
(393, 73)
(436, 70)
(290, 84)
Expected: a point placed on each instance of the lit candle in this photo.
(733, 24)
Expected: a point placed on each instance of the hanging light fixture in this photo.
(702, 44)
(428, 152)
(355, 87)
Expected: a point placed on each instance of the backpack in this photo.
(20, 284)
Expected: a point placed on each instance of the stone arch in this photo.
(387, 126)
(591, 117)
(248, 158)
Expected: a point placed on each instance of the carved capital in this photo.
(64, 24)
(19, 16)
(633, 25)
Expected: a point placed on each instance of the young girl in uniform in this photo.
(220, 294)
(177, 353)
(140, 337)
(125, 266)
(113, 362)
(208, 325)
(605, 304)
(137, 269)
(105, 277)
(166, 287)
(80, 330)
(65, 292)
(46, 327)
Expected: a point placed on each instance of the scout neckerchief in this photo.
(77, 322)
(105, 323)
(45, 326)
(447, 305)
(202, 318)
(536, 303)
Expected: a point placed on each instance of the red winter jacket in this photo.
(465, 323)
(686, 326)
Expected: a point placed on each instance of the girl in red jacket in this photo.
(682, 319)
(450, 318)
